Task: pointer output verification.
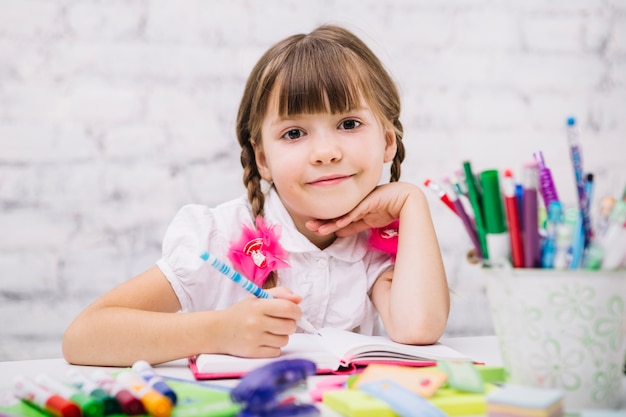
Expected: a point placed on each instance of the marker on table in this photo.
(513, 217)
(249, 286)
(154, 380)
(44, 399)
(90, 407)
(155, 403)
(91, 388)
(129, 404)
(475, 199)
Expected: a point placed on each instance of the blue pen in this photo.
(576, 155)
(249, 286)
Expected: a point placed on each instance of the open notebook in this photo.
(335, 351)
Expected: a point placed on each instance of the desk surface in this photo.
(480, 348)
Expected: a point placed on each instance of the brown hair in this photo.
(327, 70)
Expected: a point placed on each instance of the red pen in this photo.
(440, 193)
(31, 392)
(513, 218)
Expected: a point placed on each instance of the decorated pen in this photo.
(249, 286)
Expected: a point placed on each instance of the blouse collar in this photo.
(349, 248)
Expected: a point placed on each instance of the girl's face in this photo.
(323, 164)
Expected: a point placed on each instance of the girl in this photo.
(318, 120)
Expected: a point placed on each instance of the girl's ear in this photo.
(261, 162)
(391, 146)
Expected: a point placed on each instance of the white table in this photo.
(480, 348)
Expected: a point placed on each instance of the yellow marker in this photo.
(155, 403)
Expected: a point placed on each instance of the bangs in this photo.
(319, 78)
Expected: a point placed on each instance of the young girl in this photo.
(318, 120)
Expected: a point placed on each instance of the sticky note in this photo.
(421, 381)
(401, 400)
(462, 376)
(355, 403)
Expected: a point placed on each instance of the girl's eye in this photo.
(349, 124)
(293, 134)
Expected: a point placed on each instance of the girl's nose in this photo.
(325, 149)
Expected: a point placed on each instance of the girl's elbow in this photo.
(418, 332)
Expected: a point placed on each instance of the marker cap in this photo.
(60, 406)
(156, 404)
(492, 202)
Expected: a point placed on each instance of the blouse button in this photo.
(321, 262)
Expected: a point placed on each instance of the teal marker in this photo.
(91, 388)
(90, 407)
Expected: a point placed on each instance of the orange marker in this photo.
(155, 403)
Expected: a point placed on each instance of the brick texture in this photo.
(114, 114)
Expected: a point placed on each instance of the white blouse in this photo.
(335, 283)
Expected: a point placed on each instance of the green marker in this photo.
(496, 235)
(89, 406)
(475, 199)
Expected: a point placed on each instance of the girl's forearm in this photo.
(125, 335)
(418, 293)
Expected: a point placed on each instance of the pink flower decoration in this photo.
(258, 252)
(385, 239)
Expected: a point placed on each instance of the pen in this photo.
(497, 236)
(460, 210)
(614, 239)
(91, 388)
(546, 183)
(155, 381)
(440, 193)
(513, 216)
(249, 286)
(155, 403)
(129, 404)
(548, 253)
(90, 407)
(532, 256)
(475, 199)
(44, 399)
(576, 156)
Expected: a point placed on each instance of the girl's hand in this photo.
(256, 327)
(379, 208)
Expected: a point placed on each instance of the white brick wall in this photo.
(114, 114)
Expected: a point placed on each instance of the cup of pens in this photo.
(562, 329)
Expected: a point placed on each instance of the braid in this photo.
(252, 181)
(400, 152)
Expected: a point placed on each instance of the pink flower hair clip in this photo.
(258, 251)
(385, 239)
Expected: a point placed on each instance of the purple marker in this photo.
(546, 183)
(532, 253)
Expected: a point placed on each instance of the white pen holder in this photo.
(562, 329)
